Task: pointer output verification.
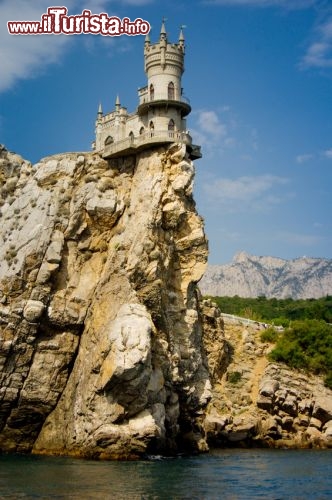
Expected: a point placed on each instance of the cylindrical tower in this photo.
(164, 65)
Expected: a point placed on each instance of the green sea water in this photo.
(223, 474)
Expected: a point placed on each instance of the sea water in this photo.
(224, 474)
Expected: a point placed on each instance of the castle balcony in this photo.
(134, 144)
(157, 100)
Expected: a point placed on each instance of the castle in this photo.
(160, 117)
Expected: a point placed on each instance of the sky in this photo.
(258, 74)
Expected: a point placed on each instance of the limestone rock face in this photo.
(100, 331)
(258, 403)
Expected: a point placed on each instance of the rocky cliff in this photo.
(105, 348)
(252, 276)
(100, 331)
(256, 403)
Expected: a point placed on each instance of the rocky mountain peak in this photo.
(251, 276)
(241, 257)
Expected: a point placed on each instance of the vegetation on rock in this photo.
(278, 311)
(306, 344)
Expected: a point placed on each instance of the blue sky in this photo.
(259, 79)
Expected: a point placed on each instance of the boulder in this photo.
(323, 409)
(33, 310)
(268, 388)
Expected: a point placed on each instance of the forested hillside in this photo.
(277, 311)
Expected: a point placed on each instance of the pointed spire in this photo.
(181, 36)
(147, 39)
(100, 111)
(163, 34)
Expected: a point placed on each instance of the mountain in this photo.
(253, 276)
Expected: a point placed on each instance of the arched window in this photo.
(151, 126)
(171, 91)
(151, 92)
(131, 136)
(171, 124)
(141, 131)
(109, 140)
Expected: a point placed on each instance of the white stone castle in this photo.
(161, 113)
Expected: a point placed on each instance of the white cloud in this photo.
(222, 131)
(209, 122)
(307, 157)
(213, 131)
(328, 154)
(304, 158)
(24, 57)
(247, 192)
(319, 52)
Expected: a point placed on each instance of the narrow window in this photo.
(171, 128)
(151, 126)
(171, 91)
(171, 124)
(131, 136)
(151, 92)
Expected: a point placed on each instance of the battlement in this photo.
(163, 54)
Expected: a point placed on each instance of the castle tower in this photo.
(162, 109)
(164, 66)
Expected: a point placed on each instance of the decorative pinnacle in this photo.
(181, 36)
(117, 102)
(163, 33)
(100, 111)
(147, 38)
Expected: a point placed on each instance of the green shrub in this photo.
(234, 377)
(269, 335)
(281, 321)
(306, 344)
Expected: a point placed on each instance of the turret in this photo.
(181, 37)
(117, 104)
(163, 34)
(100, 112)
(164, 66)
(147, 40)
